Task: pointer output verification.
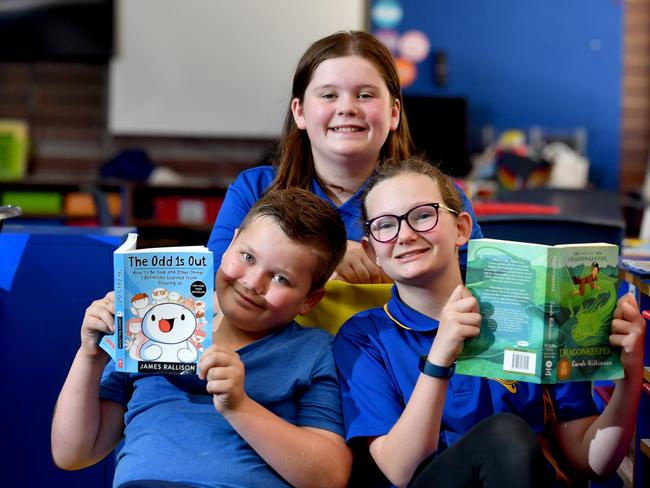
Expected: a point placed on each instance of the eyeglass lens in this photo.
(420, 219)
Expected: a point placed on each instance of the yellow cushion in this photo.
(341, 301)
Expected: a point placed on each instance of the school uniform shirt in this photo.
(377, 359)
(174, 433)
(250, 186)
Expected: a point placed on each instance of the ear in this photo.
(369, 250)
(225, 253)
(311, 301)
(463, 228)
(232, 241)
(395, 113)
(298, 113)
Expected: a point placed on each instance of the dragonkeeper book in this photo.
(163, 308)
(546, 311)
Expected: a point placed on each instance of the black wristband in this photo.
(434, 370)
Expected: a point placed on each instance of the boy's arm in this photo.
(597, 445)
(303, 456)
(84, 428)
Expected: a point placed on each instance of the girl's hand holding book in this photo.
(628, 332)
(460, 319)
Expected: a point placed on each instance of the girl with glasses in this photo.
(344, 115)
(422, 424)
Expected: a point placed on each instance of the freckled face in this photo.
(265, 278)
(413, 257)
(347, 112)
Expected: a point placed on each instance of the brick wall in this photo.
(65, 107)
(635, 136)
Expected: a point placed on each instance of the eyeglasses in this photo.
(422, 218)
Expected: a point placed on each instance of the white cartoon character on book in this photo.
(169, 328)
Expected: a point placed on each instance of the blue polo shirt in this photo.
(251, 184)
(377, 360)
(174, 433)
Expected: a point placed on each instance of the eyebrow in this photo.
(358, 87)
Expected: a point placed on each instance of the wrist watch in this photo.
(435, 371)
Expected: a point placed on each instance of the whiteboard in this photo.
(214, 68)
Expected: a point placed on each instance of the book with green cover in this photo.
(547, 311)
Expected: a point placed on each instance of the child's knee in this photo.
(508, 433)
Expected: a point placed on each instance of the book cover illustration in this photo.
(163, 308)
(547, 311)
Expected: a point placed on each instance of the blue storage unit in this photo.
(48, 276)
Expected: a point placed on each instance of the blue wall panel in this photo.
(48, 276)
(553, 63)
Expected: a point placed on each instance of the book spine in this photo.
(550, 346)
(120, 308)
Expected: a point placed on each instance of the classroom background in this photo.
(118, 115)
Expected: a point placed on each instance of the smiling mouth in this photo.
(346, 130)
(410, 254)
(247, 300)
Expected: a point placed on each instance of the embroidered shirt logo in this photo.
(509, 385)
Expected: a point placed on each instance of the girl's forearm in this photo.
(597, 445)
(415, 435)
(609, 437)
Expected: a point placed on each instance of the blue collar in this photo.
(354, 201)
(406, 317)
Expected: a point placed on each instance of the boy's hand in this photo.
(628, 331)
(459, 320)
(224, 372)
(356, 267)
(97, 321)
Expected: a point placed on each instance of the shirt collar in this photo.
(353, 203)
(406, 317)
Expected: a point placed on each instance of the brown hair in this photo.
(295, 164)
(309, 220)
(389, 169)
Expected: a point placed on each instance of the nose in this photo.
(347, 105)
(405, 232)
(256, 281)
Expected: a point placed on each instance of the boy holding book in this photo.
(265, 409)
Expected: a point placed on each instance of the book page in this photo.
(509, 282)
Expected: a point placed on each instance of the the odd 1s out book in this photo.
(163, 308)
(546, 311)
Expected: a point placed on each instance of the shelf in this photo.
(626, 472)
(163, 224)
(169, 214)
(642, 284)
(645, 447)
